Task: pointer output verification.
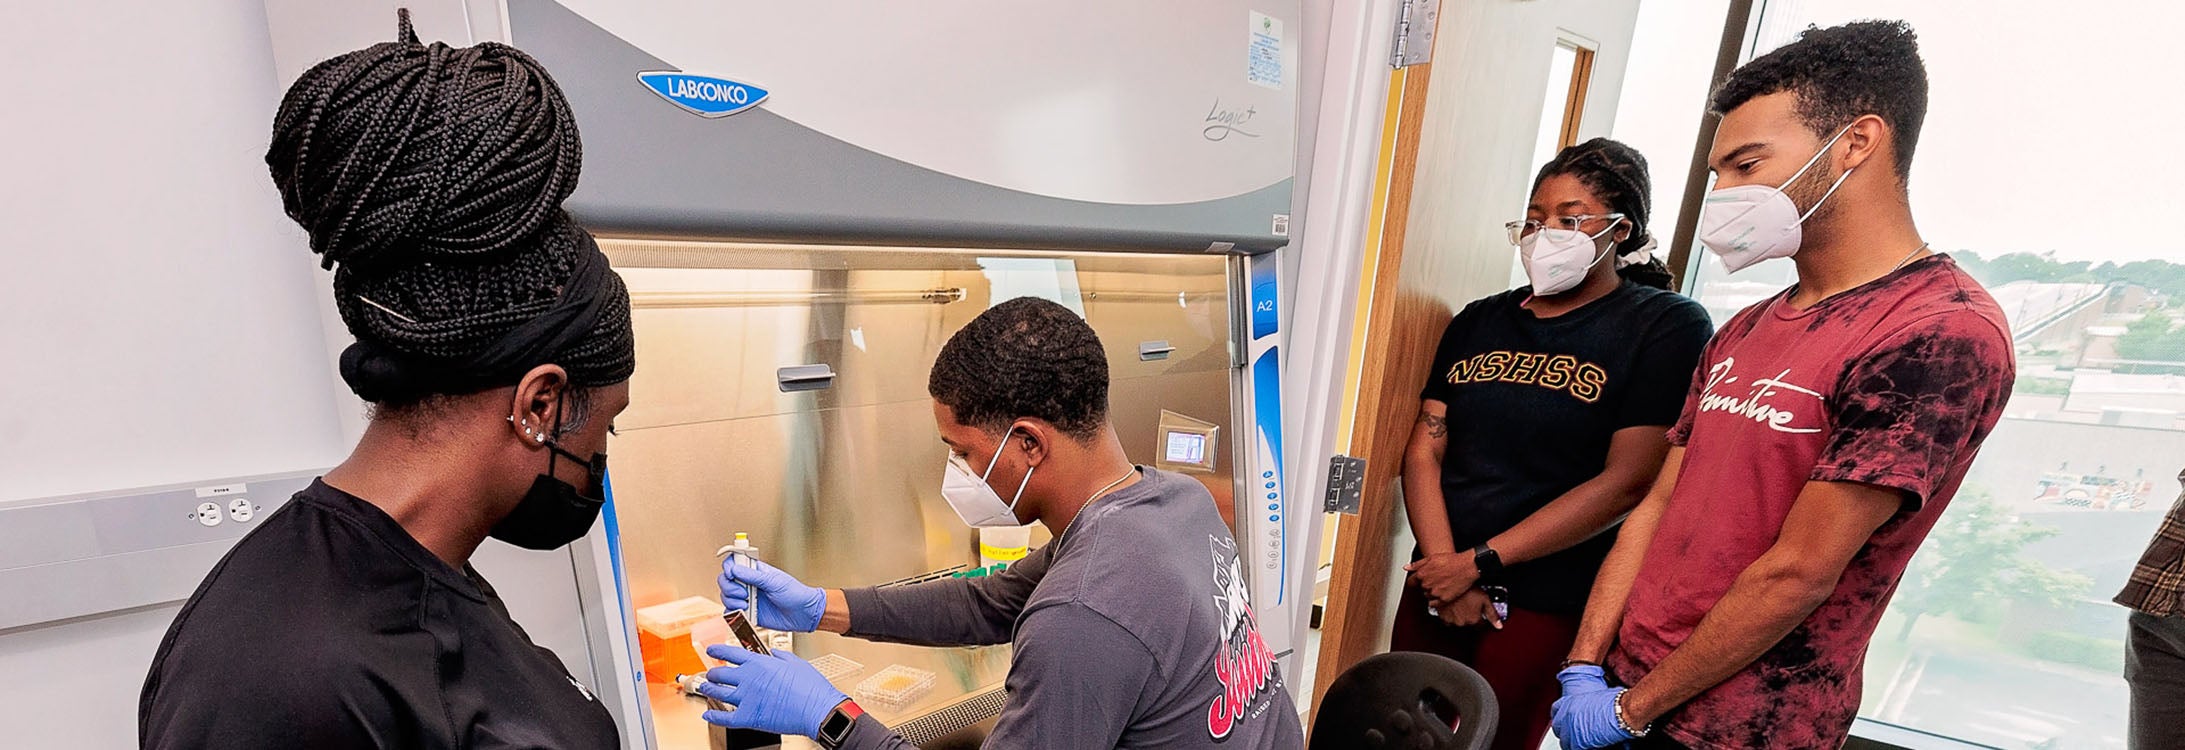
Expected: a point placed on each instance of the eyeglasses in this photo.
(1519, 230)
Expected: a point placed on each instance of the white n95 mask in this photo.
(1748, 224)
(973, 499)
(1556, 260)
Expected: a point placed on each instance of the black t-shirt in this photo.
(1533, 403)
(330, 627)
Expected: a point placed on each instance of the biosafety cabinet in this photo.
(807, 199)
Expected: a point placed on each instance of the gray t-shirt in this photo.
(1132, 629)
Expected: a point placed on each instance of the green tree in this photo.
(2159, 275)
(2043, 267)
(1976, 557)
(2153, 337)
(1973, 263)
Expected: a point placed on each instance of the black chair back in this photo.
(1409, 701)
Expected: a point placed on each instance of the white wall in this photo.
(162, 323)
(158, 314)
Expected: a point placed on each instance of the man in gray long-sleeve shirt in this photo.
(1131, 629)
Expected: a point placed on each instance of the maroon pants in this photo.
(1519, 661)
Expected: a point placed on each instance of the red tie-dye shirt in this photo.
(1893, 384)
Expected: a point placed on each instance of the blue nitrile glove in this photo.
(776, 692)
(784, 603)
(1585, 718)
(1580, 679)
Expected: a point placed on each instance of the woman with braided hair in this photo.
(1542, 423)
(493, 344)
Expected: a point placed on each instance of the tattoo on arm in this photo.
(1436, 427)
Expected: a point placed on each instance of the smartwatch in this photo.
(835, 729)
(1488, 561)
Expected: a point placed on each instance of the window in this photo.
(1570, 70)
(1664, 97)
(2002, 632)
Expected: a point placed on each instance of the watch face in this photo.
(837, 727)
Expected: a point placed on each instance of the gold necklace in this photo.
(1907, 257)
(1798, 289)
(1095, 496)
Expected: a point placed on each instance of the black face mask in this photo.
(553, 512)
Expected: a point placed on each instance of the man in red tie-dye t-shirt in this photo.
(1825, 432)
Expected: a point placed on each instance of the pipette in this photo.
(742, 553)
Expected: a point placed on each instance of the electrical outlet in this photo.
(207, 514)
(240, 510)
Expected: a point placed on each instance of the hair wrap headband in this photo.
(588, 299)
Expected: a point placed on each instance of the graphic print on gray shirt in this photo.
(1132, 629)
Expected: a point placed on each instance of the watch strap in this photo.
(1487, 560)
(835, 729)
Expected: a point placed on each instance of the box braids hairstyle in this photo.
(430, 178)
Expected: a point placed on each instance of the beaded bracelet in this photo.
(1626, 725)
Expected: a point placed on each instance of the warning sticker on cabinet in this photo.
(1264, 66)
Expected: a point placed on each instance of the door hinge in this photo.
(1346, 484)
(1414, 33)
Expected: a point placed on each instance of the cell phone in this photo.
(745, 634)
(1500, 597)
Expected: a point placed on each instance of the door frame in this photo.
(1341, 160)
(1354, 618)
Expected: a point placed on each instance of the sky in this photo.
(2050, 126)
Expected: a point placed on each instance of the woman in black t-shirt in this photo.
(494, 345)
(1541, 425)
